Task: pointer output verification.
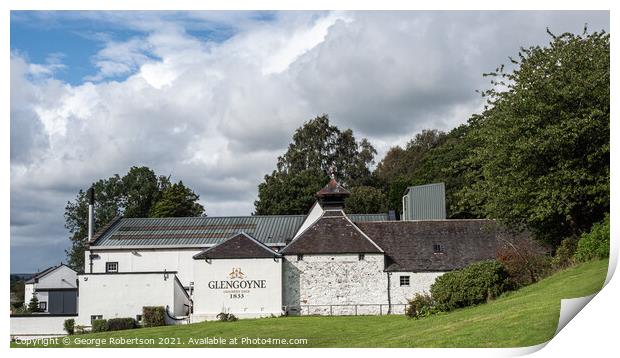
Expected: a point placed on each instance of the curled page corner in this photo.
(569, 309)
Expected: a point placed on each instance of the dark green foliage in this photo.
(99, 325)
(177, 200)
(543, 140)
(318, 148)
(133, 195)
(226, 317)
(69, 326)
(366, 200)
(33, 305)
(477, 283)
(421, 305)
(594, 244)
(153, 316)
(564, 254)
(118, 324)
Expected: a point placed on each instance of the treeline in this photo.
(139, 193)
(536, 157)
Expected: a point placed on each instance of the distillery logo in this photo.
(237, 281)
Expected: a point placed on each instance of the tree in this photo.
(33, 305)
(132, 195)
(177, 200)
(544, 137)
(316, 150)
(366, 200)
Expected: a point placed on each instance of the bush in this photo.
(594, 244)
(421, 305)
(226, 317)
(153, 316)
(119, 324)
(564, 254)
(525, 260)
(69, 326)
(99, 325)
(474, 284)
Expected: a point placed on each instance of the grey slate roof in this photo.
(409, 244)
(332, 233)
(240, 246)
(205, 231)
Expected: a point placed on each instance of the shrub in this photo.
(118, 324)
(594, 244)
(69, 326)
(153, 316)
(226, 317)
(474, 284)
(525, 260)
(99, 325)
(564, 253)
(33, 305)
(421, 305)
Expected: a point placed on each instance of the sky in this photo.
(213, 98)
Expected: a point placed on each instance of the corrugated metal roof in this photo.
(198, 230)
(368, 217)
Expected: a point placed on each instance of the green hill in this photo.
(521, 318)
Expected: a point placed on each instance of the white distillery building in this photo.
(326, 262)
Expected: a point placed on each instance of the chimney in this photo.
(91, 202)
(333, 195)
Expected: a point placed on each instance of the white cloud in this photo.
(217, 115)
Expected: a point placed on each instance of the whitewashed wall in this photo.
(38, 325)
(419, 282)
(124, 295)
(325, 280)
(179, 260)
(254, 302)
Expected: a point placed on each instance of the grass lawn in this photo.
(521, 318)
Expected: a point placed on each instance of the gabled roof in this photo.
(45, 272)
(409, 244)
(332, 233)
(240, 246)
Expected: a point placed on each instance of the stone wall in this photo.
(419, 282)
(335, 284)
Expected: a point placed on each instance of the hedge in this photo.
(474, 284)
(154, 316)
(119, 324)
(594, 244)
(99, 325)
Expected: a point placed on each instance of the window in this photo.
(361, 257)
(300, 257)
(111, 267)
(139, 318)
(95, 317)
(437, 248)
(404, 280)
(43, 306)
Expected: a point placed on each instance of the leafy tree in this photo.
(366, 200)
(132, 195)
(177, 200)
(543, 139)
(316, 150)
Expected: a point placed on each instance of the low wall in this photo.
(33, 326)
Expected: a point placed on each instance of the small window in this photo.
(404, 280)
(111, 267)
(300, 257)
(361, 257)
(95, 317)
(139, 318)
(43, 306)
(437, 248)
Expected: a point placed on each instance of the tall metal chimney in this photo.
(91, 203)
